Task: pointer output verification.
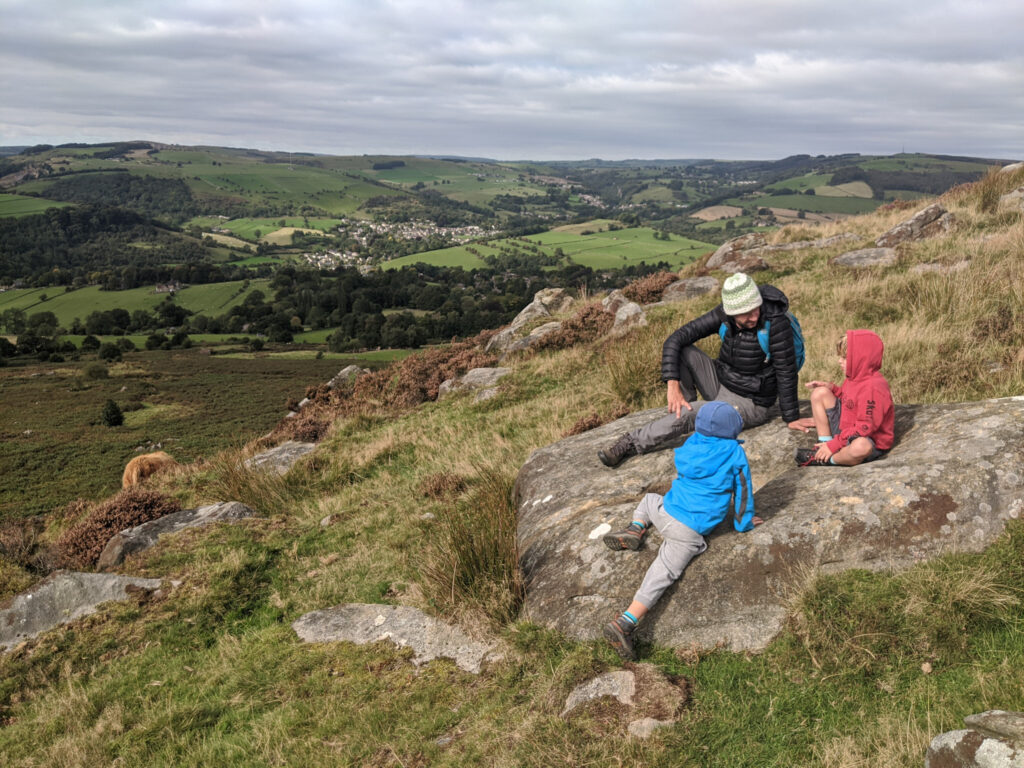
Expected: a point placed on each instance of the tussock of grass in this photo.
(472, 562)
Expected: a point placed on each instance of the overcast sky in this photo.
(525, 79)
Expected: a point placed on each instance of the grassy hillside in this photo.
(211, 673)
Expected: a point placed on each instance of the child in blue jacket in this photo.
(713, 477)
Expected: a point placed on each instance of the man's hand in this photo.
(756, 520)
(676, 401)
(802, 425)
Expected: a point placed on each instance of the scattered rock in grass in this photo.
(867, 257)
(646, 699)
(347, 376)
(62, 597)
(690, 288)
(731, 250)
(642, 729)
(144, 536)
(280, 458)
(993, 739)
(628, 317)
(429, 638)
(476, 378)
(613, 301)
(1012, 201)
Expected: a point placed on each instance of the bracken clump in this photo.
(81, 545)
(648, 290)
(589, 323)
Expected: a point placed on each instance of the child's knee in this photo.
(822, 396)
(860, 448)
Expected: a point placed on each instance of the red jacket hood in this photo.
(863, 354)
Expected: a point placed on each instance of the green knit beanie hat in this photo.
(740, 294)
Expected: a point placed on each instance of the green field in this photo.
(23, 205)
(212, 299)
(598, 250)
(811, 203)
(807, 181)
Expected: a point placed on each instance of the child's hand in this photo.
(756, 520)
(816, 383)
(823, 453)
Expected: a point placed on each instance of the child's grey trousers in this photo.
(679, 546)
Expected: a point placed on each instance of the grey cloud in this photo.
(519, 79)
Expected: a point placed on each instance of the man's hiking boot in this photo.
(629, 538)
(613, 456)
(620, 634)
(805, 458)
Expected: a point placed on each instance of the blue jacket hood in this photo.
(713, 476)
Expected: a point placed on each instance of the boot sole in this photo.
(618, 641)
(617, 542)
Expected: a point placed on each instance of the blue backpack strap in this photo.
(762, 339)
(722, 330)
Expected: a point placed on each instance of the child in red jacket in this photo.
(855, 420)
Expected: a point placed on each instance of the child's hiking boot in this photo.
(613, 456)
(805, 457)
(619, 634)
(632, 537)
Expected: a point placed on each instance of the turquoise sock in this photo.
(831, 460)
(630, 618)
(824, 438)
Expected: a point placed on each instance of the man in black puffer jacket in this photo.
(742, 376)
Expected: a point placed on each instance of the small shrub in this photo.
(112, 416)
(80, 546)
(95, 371)
(648, 290)
(110, 352)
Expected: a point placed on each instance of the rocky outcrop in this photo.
(933, 220)
(747, 253)
(280, 458)
(62, 597)
(993, 739)
(1011, 168)
(429, 638)
(546, 303)
(689, 288)
(144, 536)
(485, 379)
(732, 250)
(951, 483)
(867, 257)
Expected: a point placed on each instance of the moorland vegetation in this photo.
(407, 500)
